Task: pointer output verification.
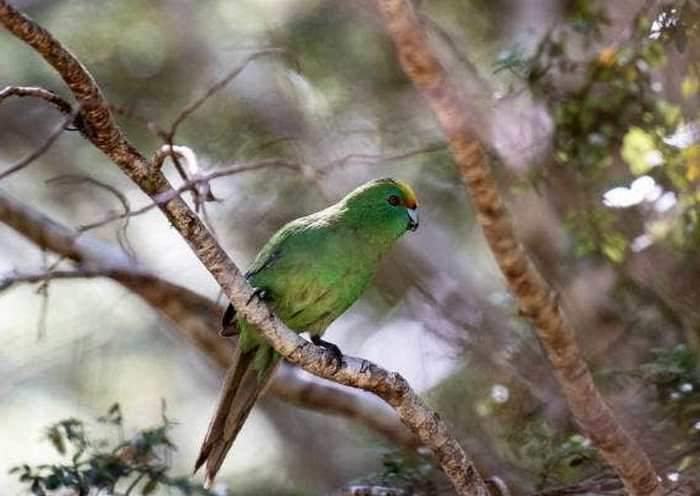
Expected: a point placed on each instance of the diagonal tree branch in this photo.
(196, 318)
(535, 297)
(104, 133)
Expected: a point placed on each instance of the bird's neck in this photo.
(375, 236)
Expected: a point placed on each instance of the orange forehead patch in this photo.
(409, 195)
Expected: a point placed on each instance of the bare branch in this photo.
(237, 168)
(191, 184)
(201, 192)
(108, 137)
(365, 158)
(95, 116)
(536, 299)
(289, 385)
(36, 92)
(122, 235)
(77, 179)
(50, 235)
(43, 276)
(38, 152)
(196, 318)
(499, 484)
(191, 107)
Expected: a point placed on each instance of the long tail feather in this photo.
(242, 386)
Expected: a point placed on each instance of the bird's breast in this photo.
(312, 304)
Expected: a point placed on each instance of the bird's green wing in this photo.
(311, 273)
(278, 244)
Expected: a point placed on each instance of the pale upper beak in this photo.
(412, 218)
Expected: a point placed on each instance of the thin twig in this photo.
(78, 178)
(9, 280)
(201, 192)
(36, 92)
(191, 107)
(199, 101)
(122, 234)
(189, 185)
(39, 151)
(377, 158)
(43, 291)
(499, 484)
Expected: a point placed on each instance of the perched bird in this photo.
(311, 271)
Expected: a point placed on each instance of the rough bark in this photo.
(104, 133)
(536, 299)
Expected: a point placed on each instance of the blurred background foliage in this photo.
(591, 113)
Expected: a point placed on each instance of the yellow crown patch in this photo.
(409, 195)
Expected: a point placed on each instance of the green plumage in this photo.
(311, 271)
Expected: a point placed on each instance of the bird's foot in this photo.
(337, 355)
(228, 331)
(228, 322)
(258, 293)
(263, 296)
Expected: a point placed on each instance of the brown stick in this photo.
(104, 133)
(36, 92)
(536, 299)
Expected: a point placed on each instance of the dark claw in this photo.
(228, 322)
(229, 316)
(228, 331)
(258, 293)
(337, 354)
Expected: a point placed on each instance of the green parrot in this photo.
(311, 271)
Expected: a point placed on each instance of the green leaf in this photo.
(114, 415)
(54, 435)
(639, 151)
(150, 486)
(37, 489)
(613, 246)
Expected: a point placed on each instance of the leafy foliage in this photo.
(675, 373)
(140, 462)
(610, 117)
(672, 368)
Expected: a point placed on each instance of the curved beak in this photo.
(412, 218)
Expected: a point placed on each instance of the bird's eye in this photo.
(394, 200)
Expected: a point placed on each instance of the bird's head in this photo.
(387, 205)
